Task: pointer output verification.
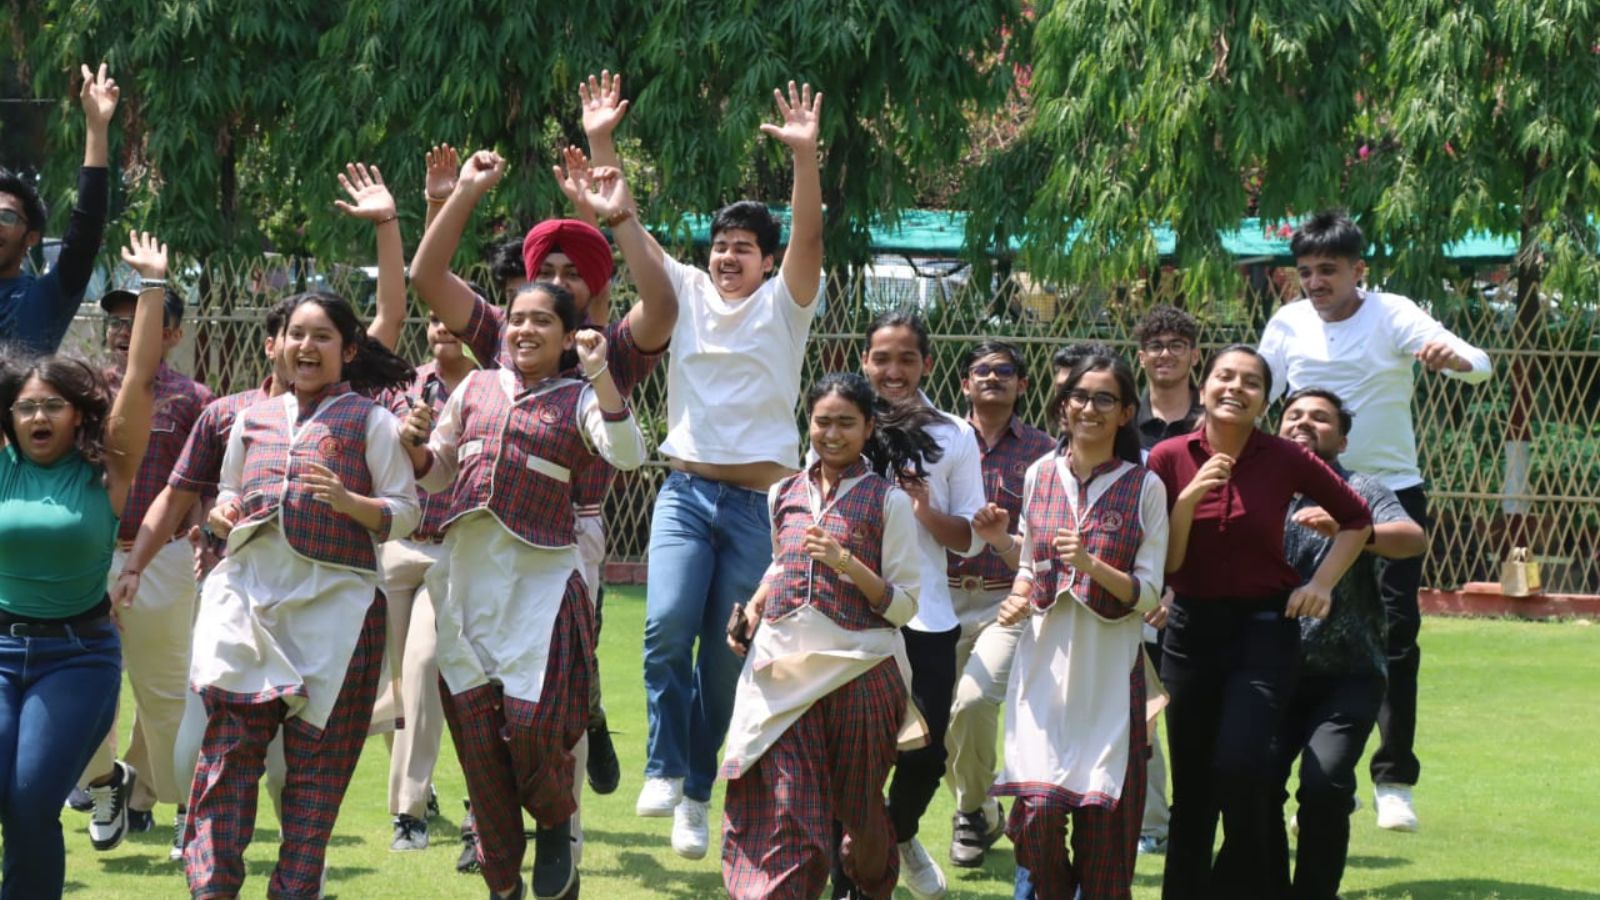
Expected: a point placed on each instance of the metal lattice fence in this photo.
(1512, 462)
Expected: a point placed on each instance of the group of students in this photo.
(379, 547)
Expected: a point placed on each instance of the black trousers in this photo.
(1395, 760)
(918, 773)
(1326, 728)
(1229, 667)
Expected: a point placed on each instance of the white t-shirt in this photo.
(733, 372)
(1368, 361)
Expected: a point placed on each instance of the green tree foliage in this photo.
(238, 114)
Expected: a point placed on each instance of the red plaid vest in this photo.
(856, 521)
(519, 459)
(334, 436)
(1110, 529)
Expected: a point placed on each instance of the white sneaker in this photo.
(689, 833)
(1393, 802)
(175, 854)
(108, 820)
(659, 797)
(919, 874)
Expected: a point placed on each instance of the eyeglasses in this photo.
(1103, 402)
(119, 323)
(27, 409)
(1176, 347)
(1003, 370)
(10, 217)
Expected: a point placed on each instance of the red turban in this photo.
(581, 242)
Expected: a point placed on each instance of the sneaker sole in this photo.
(690, 853)
(654, 812)
(570, 892)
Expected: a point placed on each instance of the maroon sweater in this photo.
(1236, 542)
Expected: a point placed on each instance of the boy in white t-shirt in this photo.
(1362, 346)
(733, 379)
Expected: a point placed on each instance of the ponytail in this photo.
(901, 441)
(376, 367)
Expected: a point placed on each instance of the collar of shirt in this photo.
(847, 479)
(1146, 415)
(316, 401)
(1013, 428)
(1198, 439)
(1109, 465)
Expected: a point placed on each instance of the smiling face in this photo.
(559, 268)
(1331, 282)
(313, 352)
(1235, 391)
(444, 345)
(46, 422)
(119, 332)
(15, 236)
(1167, 359)
(737, 264)
(839, 429)
(1313, 423)
(993, 380)
(1095, 409)
(535, 334)
(894, 363)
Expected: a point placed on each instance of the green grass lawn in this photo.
(1507, 800)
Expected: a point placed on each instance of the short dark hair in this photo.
(902, 318)
(505, 263)
(1166, 320)
(1071, 354)
(277, 318)
(1246, 349)
(748, 215)
(1001, 348)
(33, 208)
(1346, 417)
(1328, 233)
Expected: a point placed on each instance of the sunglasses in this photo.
(1003, 370)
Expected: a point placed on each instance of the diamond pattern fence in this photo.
(1514, 462)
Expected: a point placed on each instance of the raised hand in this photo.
(482, 172)
(1213, 473)
(99, 97)
(371, 199)
(443, 164)
(603, 190)
(572, 178)
(603, 106)
(145, 255)
(802, 117)
(591, 347)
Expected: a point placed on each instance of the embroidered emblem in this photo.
(548, 413)
(858, 532)
(1111, 521)
(330, 448)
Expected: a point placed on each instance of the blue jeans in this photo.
(710, 543)
(57, 699)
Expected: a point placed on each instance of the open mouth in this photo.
(1230, 403)
(41, 436)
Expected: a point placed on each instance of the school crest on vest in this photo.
(330, 448)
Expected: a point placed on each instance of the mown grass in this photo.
(1508, 741)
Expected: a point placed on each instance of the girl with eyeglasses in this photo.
(71, 453)
(1090, 553)
(1233, 636)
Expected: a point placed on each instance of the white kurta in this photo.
(273, 621)
(496, 596)
(1067, 705)
(804, 656)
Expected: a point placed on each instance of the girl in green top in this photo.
(70, 454)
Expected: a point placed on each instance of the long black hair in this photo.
(1125, 445)
(78, 382)
(900, 444)
(375, 366)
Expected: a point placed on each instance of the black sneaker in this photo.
(108, 821)
(605, 773)
(140, 821)
(467, 862)
(971, 836)
(79, 800)
(554, 875)
(410, 833)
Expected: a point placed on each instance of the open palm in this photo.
(802, 117)
(370, 198)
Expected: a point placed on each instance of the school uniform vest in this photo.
(1110, 530)
(519, 458)
(334, 436)
(855, 520)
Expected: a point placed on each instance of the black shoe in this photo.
(79, 800)
(140, 821)
(972, 835)
(554, 875)
(108, 822)
(467, 862)
(605, 773)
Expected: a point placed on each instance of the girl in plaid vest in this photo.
(1090, 550)
(290, 630)
(821, 702)
(516, 629)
